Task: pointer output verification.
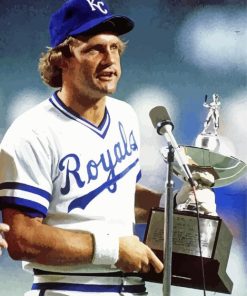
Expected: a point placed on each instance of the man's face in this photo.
(94, 69)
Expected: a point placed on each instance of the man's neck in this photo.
(91, 109)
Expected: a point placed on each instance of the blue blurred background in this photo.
(178, 52)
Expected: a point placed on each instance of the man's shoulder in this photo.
(32, 119)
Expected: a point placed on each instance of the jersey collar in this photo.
(101, 130)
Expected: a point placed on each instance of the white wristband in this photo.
(106, 249)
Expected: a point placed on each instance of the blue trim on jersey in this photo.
(83, 201)
(27, 188)
(12, 201)
(139, 175)
(100, 130)
(90, 288)
(98, 274)
(58, 100)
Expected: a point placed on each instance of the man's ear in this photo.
(66, 55)
(64, 63)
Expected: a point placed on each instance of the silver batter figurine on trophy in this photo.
(208, 138)
(211, 124)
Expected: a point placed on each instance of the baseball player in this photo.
(70, 166)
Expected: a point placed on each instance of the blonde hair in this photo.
(50, 62)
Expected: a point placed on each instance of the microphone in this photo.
(164, 126)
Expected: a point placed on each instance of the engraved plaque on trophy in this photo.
(216, 242)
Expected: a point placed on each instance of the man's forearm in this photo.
(33, 241)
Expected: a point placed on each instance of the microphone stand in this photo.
(168, 224)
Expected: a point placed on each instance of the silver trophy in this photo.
(205, 156)
(215, 237)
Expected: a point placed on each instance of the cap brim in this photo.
(116, 24)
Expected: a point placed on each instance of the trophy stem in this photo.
(200, 245)
(168, 225)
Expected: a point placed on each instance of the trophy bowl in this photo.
(226, 169)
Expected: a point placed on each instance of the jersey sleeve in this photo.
(25, 174)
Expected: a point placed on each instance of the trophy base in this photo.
(186, 262)
(186, 273)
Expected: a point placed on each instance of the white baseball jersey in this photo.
(57, 165)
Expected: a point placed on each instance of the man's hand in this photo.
(3, 243)
(185, 198)
(136, 256)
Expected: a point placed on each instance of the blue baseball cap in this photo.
(77, 17)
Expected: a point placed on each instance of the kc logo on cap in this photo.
(76, 17)
(98, 5)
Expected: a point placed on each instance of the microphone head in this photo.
(160, 118)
